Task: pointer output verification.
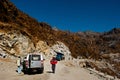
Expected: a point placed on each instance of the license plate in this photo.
(34, 70)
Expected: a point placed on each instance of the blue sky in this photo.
(74, 15)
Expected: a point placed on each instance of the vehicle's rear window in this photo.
(35, 57)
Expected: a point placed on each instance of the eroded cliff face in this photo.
(13, 43)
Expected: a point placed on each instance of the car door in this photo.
(35, 61)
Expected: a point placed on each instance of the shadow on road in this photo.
(49, 72)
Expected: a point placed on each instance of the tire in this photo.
(40, 71)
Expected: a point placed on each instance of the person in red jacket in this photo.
(53, 62)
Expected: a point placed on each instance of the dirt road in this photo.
(64, 71)
(67, 71)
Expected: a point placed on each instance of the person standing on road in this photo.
(53, 62)
(19, 65)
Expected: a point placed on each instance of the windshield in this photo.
(35, 57)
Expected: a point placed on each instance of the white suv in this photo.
(33, 63)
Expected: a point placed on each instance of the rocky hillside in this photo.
(21, 34)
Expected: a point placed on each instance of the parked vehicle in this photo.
(33, 63)
(60, 56)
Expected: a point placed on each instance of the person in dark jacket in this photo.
(53, 62)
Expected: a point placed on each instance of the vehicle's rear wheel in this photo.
(41, 70)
